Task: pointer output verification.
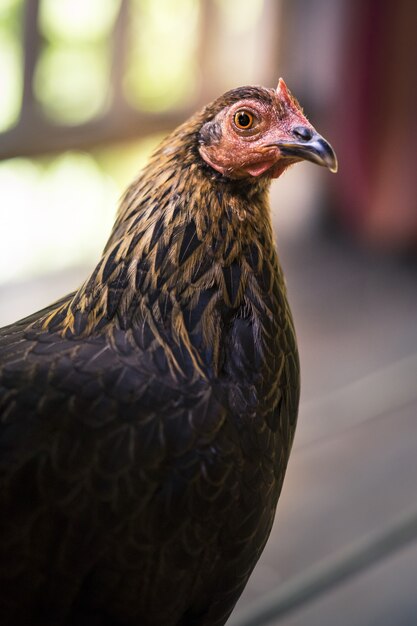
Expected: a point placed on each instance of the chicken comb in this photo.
(283, 91)
(286, 96)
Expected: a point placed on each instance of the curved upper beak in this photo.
(313, 148)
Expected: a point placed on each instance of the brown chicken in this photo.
(147, 418)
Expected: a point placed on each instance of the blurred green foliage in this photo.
(73, 73)
(10, 62)
(59, 209)
(162, 66)
(78, 21)
(71, 81)
(72, 78)
(69, 195)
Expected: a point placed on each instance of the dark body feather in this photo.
(147, 419)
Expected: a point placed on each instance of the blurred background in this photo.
(88, 88)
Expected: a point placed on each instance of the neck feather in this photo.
(187, 252)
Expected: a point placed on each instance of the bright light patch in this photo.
(77, 20)
(240, 20)
(8, 5)
(162, 75)
(71, 83)
(10, 80)
(53, 216)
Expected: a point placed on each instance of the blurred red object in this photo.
(376, 126)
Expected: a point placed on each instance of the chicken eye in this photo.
(243, 120)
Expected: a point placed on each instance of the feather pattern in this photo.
(147, 419)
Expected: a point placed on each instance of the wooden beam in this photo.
(36, 136)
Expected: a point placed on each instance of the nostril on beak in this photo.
(303, 133)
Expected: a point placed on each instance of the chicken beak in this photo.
(309, 146)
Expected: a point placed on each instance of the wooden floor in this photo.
(354, 462)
